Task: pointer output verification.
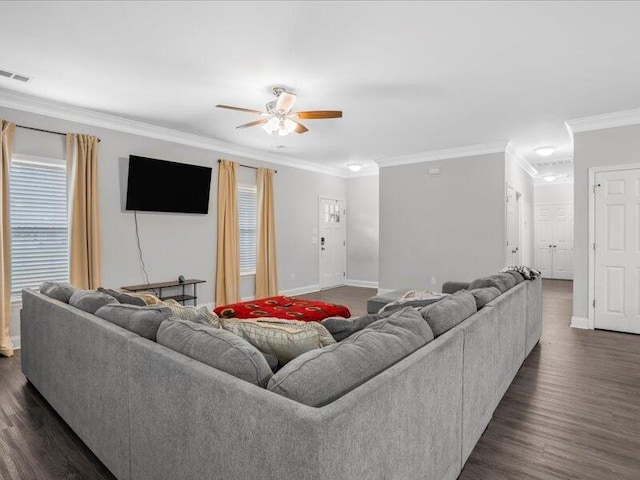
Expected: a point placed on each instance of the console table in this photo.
(183, 297)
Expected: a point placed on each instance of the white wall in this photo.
(553, 192)
(182, 244)
(363, 230)
(599, 148)
(522, 182)
(450, 226)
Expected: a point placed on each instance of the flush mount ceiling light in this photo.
(549, 178)
(545, 151)
(354, 167)
(279, 117)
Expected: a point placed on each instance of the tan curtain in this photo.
(84, 237)
(7, 130)
(228, 255)
(266, 262)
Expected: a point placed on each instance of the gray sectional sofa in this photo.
(149, 412)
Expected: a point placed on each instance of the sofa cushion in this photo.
(286, 339)
(321, 376)
(502, 281)
(341, 328)
(484, 295)
(58, 291)
(453, 287)
(449, 312)
(217, 348)
(143, 321)
(123, 297)
(90, 300)
(517, 275)
(202, 314)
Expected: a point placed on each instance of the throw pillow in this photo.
(58, 291)
(217, 348)
(149, 298)
(517, 275)
(123, 297)
(286, 339)
(341, 328)
(189, 313)
(143, 321)
(484, 295)
(90, 300)
(502, 281)
(319, 377)
(442, 316)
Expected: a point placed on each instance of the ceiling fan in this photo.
(278, 116)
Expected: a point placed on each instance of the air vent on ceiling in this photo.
(554, 163)
(14, 76)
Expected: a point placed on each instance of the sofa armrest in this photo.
(453, 287)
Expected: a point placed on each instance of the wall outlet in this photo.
(433, 281)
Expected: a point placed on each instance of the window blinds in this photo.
(39, 225)
(247, 219)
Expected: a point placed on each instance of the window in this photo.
(248, 220)
(39, 225)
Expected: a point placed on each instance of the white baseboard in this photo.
(580, 322)
(300, 290)
(362, 283)
(382, 291)
(16, 342)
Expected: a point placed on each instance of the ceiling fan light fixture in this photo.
(545, 151)
(286, 127)
(272, 125)
(354, 167)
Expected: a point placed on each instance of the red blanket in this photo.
(284, 307)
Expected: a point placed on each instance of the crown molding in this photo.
(520, 160)
(71, 113)
(607, 120)
(444, 154)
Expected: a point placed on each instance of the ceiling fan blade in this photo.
(254, 123)
(319, 114)
(285, 101)
(300, 128)
(240, 109)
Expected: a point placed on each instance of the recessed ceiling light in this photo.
(549, 178)
(545, 151)
(354, 167)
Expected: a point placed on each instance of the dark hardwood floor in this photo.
(572, 412)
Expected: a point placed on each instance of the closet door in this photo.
(554, 240)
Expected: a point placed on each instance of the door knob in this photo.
(550, 246)
(323, 249)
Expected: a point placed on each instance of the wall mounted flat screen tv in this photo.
(160, 186)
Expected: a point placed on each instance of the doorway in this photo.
(616, 250)
(513, 252)
(554, 240)
(333, 243)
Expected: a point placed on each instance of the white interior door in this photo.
(553, 236)
(563, 242)
(333, 259)
(512, 253)
(543, 235)
(617, 250)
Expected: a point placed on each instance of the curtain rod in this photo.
(43, 130)
(248, 166)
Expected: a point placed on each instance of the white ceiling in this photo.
(410, 77)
